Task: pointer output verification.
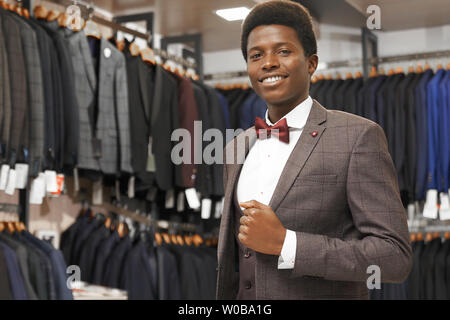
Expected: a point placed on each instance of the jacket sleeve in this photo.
(378, 215)
(123, 116)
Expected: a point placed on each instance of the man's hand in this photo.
(260, 228)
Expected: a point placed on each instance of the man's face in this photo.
(277, 66)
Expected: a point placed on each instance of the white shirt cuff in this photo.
(287, 258)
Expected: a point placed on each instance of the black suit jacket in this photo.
(440, 269)
(350, 99)
(427, 272)
(5, 290)
(168, 279)
(115, 263)
(414, 280)
(89, 251)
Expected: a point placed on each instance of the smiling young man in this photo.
(313, 199)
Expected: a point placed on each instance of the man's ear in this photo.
(313, 61)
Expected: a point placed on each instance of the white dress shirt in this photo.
(263, 167)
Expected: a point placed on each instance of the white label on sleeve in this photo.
(21, 175)
(444, 210)
(170, 199)
(51, 183)
(4, 176)
(206, 208)
(180, 202)
(37, 190)
(430, 209)
(192, 198)
(11, 185)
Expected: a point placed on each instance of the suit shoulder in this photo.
(336, 118)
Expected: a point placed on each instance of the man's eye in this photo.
(255, 56)
(285, 51)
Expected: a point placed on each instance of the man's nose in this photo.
(270, 62)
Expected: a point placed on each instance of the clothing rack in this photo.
(162, 224)
(348, 63)
(90, 9)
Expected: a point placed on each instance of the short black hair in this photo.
(282, 12)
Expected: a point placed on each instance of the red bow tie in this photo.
(281, 129)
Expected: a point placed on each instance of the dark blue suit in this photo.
(433, 101)
(15, 276)
(422, 134)
(444, 131)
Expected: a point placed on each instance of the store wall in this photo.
(341, 43)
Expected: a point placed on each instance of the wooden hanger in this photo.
(4, 5)
(420, 236)
(22, 226)
(120, 44)
(148, 56)
(188, 240)
(349, 75)
(427, 66)
(428, 237)
(166, 238)
(436, 235)
(447, 235)
(419, 68)
(52, 15)
(413, 237)
(158, 238)
(173, 239)
(329, 77)
(108, 223)
(2, 226)
(180, 240)
(410, 69)
(373, 72)
(10, 226)
(197, 239)
(440, 66)
(92, 30)
(338, 76)
(121, 230)
(40, 12)
(358, 75)
(399, 70)
(391, 72)
(314, 79)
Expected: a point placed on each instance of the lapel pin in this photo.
(314, 133)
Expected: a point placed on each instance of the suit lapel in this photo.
(302, 150)
(87, 57)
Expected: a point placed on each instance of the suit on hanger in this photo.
(5, 94)
(414, 280)
(19, 86)
(164, 119)
(168, 279)
(15, 276)
(312, 172)
(422, 138)
(440, 268)
(5, 289)
(34, 124)
(444, 131)
(114, 264)
(350, 99)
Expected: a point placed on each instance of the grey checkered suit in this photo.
(35, 90)
(5, 90)
(19, 86)
(339, 193)
(112, 101)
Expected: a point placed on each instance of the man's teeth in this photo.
(273, 79)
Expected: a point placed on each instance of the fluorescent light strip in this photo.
(233, 14)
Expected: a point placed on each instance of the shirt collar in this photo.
(297, 117)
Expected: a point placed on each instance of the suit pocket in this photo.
(316, 178)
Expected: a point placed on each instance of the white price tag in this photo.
(180, 202)
(206, 208)
(51, 183)
(21, 175)
(11, 185)
(192, 198)
(430, 209)
(97, 192)
(219, 208)
(4, 176)
(131, 187)
(411, 211)
(444, 210)
(37, 190)
(170, 199)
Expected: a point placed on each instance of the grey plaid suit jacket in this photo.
(339, 193)
(5, 90)
(113, 99)
(35, 115)
(19, 86)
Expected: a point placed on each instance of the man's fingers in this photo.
(252, 204)
(250, 212)
(243, 229)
